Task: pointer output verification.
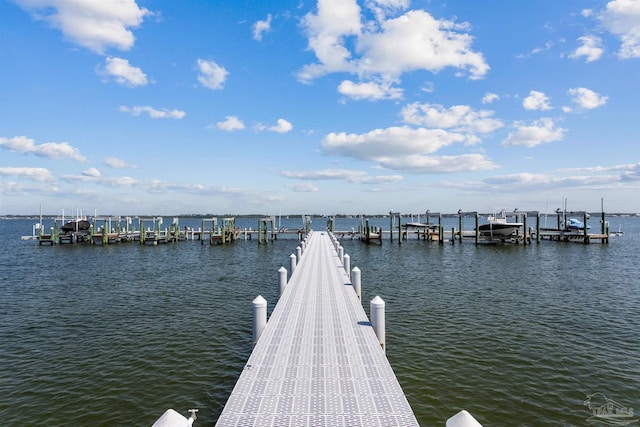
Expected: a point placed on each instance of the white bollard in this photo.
(356, 280)
(377, 320)
(292, 258)
(303, 245)
(463, 419)
(347, 264)
(259, 317)
(341, 254)
(282, 277)
(298, 253)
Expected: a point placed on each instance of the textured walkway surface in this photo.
(318, 361)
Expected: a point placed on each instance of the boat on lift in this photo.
(499, 227)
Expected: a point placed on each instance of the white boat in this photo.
(498, 226)
(575, 224)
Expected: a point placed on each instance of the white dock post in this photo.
(292, 258)
(463, 419)
(303, 245)
(259, 317)
(282, 275)
(298, 253)
(347, 264)
(356, 280)
(377, 320)
(341, 254)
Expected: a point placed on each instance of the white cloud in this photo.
(122, 72)
(231, 123)
(116, 163)
(352, 176)
(212, 75)
(153, 112)
(382, 8)
(458, 117)
(96, 25)
(622, 18)
(538, 132)
(52, 150)
(282, 126)
(369, 90)
(92, 172)
(303, 187)
(587, 99)
(489, 98)
(536, 101)
(389, 142)
(33, 174)
(591, 48)
(418, 41)
(386, 48)
(261, 27)
(406, 149)
(586, 13)
(94, 176)
(439, 164)
(327, 30)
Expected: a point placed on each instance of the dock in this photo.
(318, 360)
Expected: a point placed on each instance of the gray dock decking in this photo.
(318, 361)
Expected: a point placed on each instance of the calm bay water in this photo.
(517, 335)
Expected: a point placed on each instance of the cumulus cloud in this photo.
(261, 27)
(405, 148)
(591, 49)
(122, 72)
(622, 18)
(439, 164)
(538, 132)
(587, 99)
(386, 47)
(116, 163)
(489, 98)
(282, 126)
(153, 112)
(92, 172)
(52, 150)
(33, 174)
(212, 75)
(389, 142)
(458, 117)
(95, 25)
(536, 101)
(230, 124)
(369, 90)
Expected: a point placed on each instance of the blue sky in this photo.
(330, 106)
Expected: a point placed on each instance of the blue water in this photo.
(517, 335)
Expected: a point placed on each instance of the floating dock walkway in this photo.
(318, 361)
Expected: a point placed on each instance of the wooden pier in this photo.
(318, 361)
(530, 231)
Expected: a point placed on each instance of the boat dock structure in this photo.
(150, 231)
(517, 227)
(318, 361)
(523, 227)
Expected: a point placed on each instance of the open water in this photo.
(517, 335)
